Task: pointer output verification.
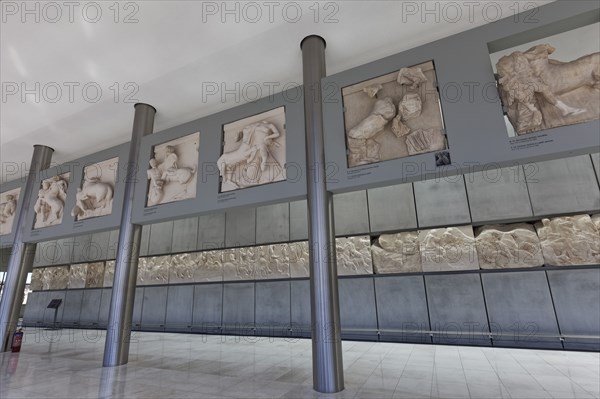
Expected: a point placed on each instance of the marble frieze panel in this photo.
(508, 246)
(569, 240)
(77, 275)
(209, 266)
(37, 279)
(397, 253)
(109, 273)
(448, 249)
(95, 275)
(272, 262)
(8, 207)
(55, 278)
(153, 270)
(354, 255)
(95, 195)
(239, 263)
(298, 258)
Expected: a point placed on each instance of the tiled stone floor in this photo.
(195, 366)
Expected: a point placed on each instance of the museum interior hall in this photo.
(300, 199)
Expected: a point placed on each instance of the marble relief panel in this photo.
(50, 204)
(37, 277)
(239, 263)
(299, 259)
(183, 266)
(55, 278)
(397, 253)
(95, 275)
(447, 249)
(596, 220)
(77, 275)
(109, 273)
(8, 207)
(209, 266)
(354, 255)
(95, 195)
(569, 240)
(508, 246)
(272, 262)
(153, 270)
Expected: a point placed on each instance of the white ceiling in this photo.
(177, 48)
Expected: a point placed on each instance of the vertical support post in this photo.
(118, 333)
(22, 254)
(328, 375)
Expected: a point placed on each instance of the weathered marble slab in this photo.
(77, 275)
(508, 246)
(298, 258)
(569, 240)
(37, 277)
(153, 270)
(596, 220)
(109, 273)
(397, 253)
(239, 263)
(447, 249)
(95, 275)
(354, 255)
(56, 278)
(8, 207)
(183, 266)
(272, 262)
(210, 266)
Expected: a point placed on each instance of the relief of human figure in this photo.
(95, 196)
(171, 171)
(156, 183)
(7, 209)
(50, 204)
(254, 149)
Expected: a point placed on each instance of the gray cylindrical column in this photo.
(328, 373)
(118, 332)
(22, 255)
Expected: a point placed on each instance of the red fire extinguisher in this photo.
(17, 340)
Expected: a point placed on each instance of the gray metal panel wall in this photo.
(442, 202)
(138, 305)
(44, 253)
(392, 208)
(238, 308)
(145, 241)
(351, 213)
(520, 309)
(498, 194)
(161, 238)
(81, 246)
(154, 308)
(208, 308)
(90, 307)
(64, 251)
(298, 220)
(113, 242)
(185, 235)
(211, 231)
(240, 227)
(72, 307)
(402, 309)
(563, 186)
(180, 303)
(300, 308)
(33, 309)
(104, 307)
(596, 162)
(576, 295)
(272, 308)
(358, 313)
(273, 223)
(457, 309)
(99, 246)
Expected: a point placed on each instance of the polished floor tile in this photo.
(67, 364)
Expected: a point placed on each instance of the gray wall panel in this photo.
(240, 227)
(298, 220)
(180, 302)
(45, 253)
(208, 307)
(72, 307)
(185, 235)
(392, 208)
(99, 246)
(402, 306)
(81, 248)
(563, 186)
(576, 295)
(300, 308)
(64, 251)
(273, 223)
(456, 309)
(161, 238)
(238, 307)
(351, 213)
(154, 308)
(520, 309)
(273, 308)
(145, 241)
(90, 307)
(498, 194)
(138, 305)
(34, 308)
(442, 202)
(211, 231)
(104, 307)
(49, 313)
(596, 162)
(113, 242)
(357, 308)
